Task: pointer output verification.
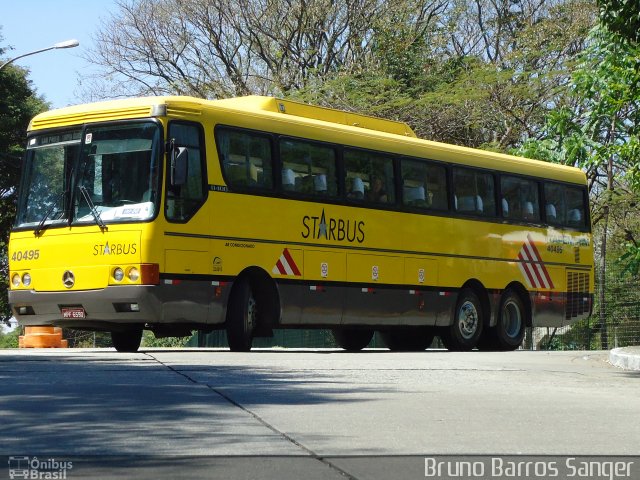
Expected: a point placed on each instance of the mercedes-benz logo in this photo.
(68, 279)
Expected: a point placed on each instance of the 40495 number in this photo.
(25, 255)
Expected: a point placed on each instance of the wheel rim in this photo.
(512, 319)
(468, 320)
(251, 312)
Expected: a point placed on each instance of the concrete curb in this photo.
(627, 358)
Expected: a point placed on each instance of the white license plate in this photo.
(73, 312)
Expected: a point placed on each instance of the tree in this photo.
(18, 104)
(481, 73)
(217, 49)
(485, 77)
(621, 17)
(9, 339)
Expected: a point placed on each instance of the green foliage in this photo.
(600, 120)
(10, 339)
(622, 306)
(149, 340)
(86, 339)
(630, 259)
(456, 92)
(598, 129)
(621, 17)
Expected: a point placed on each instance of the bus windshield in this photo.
(47, 172)
(118, 173)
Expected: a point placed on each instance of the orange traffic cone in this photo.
(42, 337)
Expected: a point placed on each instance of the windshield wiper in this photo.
(52, 211)
(92, 207)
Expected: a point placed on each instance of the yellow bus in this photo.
(175, 214)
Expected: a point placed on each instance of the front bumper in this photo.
(188, 302)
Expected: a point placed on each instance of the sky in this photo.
(29, 25)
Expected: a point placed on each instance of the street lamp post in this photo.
(65, 44)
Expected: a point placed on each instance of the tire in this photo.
(352, 339)
(127, 341)
(510, 329)
(242, 317)
(408, 339)
(468, 319)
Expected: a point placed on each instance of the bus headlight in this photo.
(26, 279)
(133, 274)
(15, 280)
(118, 274)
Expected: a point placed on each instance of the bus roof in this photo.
(392, 136)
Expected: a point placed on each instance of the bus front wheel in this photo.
(127, 340)
(465, 331)
(352, 339)
(242, 317)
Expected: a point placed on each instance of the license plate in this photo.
(73, 312)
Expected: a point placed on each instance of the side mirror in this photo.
(179, 166)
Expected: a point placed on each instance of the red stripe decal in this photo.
(291, 263)
(542, 266)
(532, 280)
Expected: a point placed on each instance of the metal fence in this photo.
(621, 313)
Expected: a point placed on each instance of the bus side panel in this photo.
(375, 306)
(187, 301)
(547, 304)
(318, 300)
(548, 308)
(304, 304)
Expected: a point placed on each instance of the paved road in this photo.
(297, 414)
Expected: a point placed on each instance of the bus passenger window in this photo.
(369, 176)
(519, 199)
(246, 158)
(555, 203)
(474, 192)
(424, 184)
(184, 201)
(308, 168)
(576, 217)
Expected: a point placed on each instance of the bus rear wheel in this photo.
(127, 340)
(408, 339)
(511, 325)
(242, 317)
(352, 339)
(465, 331)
